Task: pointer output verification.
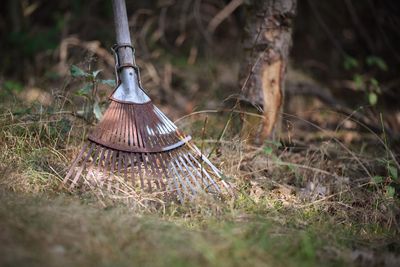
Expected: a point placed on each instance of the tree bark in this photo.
(267, 41)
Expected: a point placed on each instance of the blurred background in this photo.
(344, 55)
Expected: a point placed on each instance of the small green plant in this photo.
(365, 81)
(91, 109)
(270, 146)
(388, 182)
(10, 87)
(13, 86)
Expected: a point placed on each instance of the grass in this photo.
(64, 230)
(304, 206)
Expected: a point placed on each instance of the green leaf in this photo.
(274, 143)
(13, 86)
(108, 82)
(358, 81)
(85, 90)
(372, 98)
(377, 179)
(393, 172)
(374, 82)
(378, 62)
(95, 73)
(375, 85)
(77, 72)
(97, 111)
(350, 63)
(268, 150)
(390, 191)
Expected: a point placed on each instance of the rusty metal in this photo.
(180, 173)
(135, 141)
(138, 128)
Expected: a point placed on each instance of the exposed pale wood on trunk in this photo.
(272, 95)
(267, 42)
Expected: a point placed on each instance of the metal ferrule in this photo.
(129, 89)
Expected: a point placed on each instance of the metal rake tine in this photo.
(126, 158)
(166, 174)
(134, 126)
(107, 165)
(102, 155)
(139, 121)
(178, 176)
(110, 124)
(168, 165)
(107, 133)
(138, 132)
(190, 171)
(181, 183)
(153, 162)
(119, 163)
(77, 159)
(111, 175)
(206, 184)
(96, 154)
(212, 181)
(125, 119)
(165, 119)
(187, 179)
(159, 170)
(117, 128)
(132, 168)
(93, 163)
(161, 137)
(215, 170)
(137, 157)
(205, 159)
(146, 171)
(130, 128)
(78, 174)
(152, 171)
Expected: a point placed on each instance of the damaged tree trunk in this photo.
(266, 43)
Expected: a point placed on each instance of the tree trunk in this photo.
(266, 43)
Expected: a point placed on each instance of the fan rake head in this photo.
(136, 141)
(139, 143)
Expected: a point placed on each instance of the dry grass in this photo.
(305, 203)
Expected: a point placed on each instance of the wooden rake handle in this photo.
(125, 53)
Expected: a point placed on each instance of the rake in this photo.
(136, 141)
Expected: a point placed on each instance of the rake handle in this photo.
(125, 54)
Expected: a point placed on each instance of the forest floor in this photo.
(327, 194)
(308, 202)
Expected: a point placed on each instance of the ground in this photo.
(315, 201)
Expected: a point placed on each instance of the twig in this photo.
(223, 14)
(282, 163)
(331, 196)
(198, 17)
(326, 97)
(336, 140)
